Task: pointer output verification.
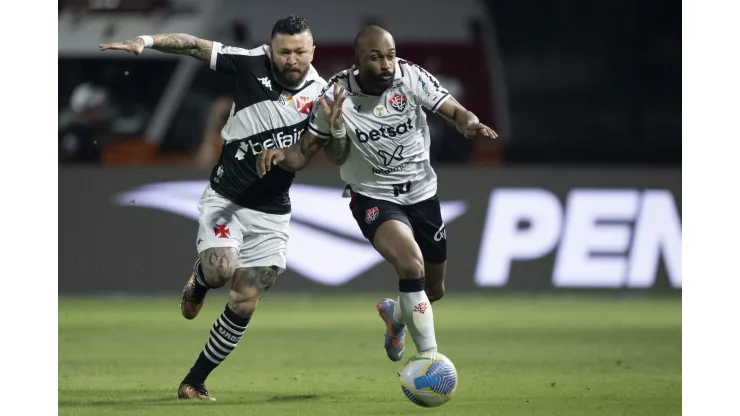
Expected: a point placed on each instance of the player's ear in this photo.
(355, 60)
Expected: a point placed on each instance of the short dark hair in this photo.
(290, 25)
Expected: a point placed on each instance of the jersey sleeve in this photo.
(427, 89)
(318, 124)
(233, 60)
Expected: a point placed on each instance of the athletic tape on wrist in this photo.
(148, 41)
(339, 133)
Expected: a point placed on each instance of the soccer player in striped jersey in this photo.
(243, 225)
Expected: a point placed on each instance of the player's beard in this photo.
(379, 83)
(289, 77)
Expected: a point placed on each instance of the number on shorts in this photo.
(402, 188)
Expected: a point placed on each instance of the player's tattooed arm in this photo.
(464, 121)
(337, 150)
(300, 154)
(183, 44)
(176, 43)
(293, 158)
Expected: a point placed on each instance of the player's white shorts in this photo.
(261, 238)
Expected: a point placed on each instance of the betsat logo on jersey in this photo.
(384, 132)
(280, 140)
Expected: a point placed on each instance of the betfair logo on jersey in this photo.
(384, 132)
(255, 146)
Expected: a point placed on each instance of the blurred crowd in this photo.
(570, 81)
(105, 121)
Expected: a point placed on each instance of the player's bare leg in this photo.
(394, 240)
(213, 269)
(435, 276)
(247, 287)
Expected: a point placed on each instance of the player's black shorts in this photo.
(424, 218)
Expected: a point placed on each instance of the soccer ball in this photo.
(429, 379)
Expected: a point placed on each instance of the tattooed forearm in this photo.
(300, 154)
(337, 150)
(183, 44)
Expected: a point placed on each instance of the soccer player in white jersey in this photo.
(373, 118)
(244, 219)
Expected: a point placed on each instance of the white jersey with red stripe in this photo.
(389, 151)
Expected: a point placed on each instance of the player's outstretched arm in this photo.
(293, 158)
(177, 43)
(465, 121)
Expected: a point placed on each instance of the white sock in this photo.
(397, 314)
(417, 313)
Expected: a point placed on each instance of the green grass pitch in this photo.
(323, 355)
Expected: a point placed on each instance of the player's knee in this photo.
(219, 264)
(410, 268)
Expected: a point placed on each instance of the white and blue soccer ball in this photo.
(429, 379)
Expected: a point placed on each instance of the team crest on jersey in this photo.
(222, 231)
(371, 215)
(303, 104)
(398, 102)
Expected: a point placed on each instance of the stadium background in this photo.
(582, 194)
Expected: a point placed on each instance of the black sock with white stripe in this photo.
(225, 334)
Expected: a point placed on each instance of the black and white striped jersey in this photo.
(264, 115)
